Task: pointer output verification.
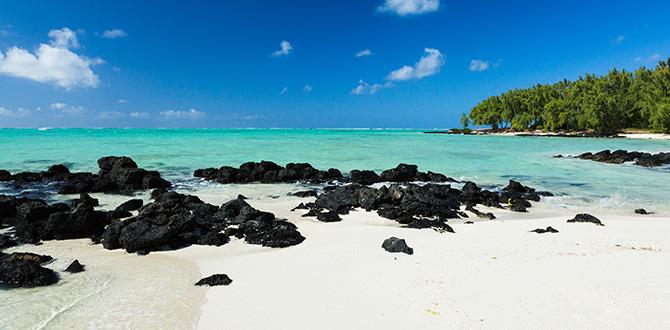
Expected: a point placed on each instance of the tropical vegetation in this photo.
(603, 105)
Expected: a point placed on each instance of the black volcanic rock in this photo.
(25, 270)
(215, 280)
(641, 211)
(644, 159)
(174, 220)
(396, 245)
(304, 193)
(364, 177)
(585, 217)
(75, 267)
(7, 241)
(117, 174)
(544, 230)
(328, 216)
(268, 172)
(5, 176)
(130, 205)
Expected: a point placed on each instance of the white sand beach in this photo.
(489, 274)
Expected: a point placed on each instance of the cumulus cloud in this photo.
(479, 65)
(114, 34)
(307, 88)
(20, 112)
(428, 65)
(363, 88)
(63, 38)
(285, 49)
(179, 114)
(52, 63)
(363, 53)
(409, 7)
(138, 114)
(66, 108)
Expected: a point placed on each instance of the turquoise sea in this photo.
(487, 160)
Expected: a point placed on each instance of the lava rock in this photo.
(364, 177)
(25, 270)
(397, 245)
(268, 172)
(544, 230)
(584, 217)
(75, 267)
(304, 193)
(130, 205)
(5, 176)
(215, 280)
(329, 216)
(644, 159)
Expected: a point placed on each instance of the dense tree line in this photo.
(603, 105)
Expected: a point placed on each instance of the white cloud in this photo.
(479, 65)
(57, 106)
(307, 88)
(137, 114)
(285, 49)
(409, 7)
(283, 90)
(187, 114)
(363, 53)
(428, 65)
(122, 101)
(63, 38)
(67, 109)
(364, 88)
(52, 63)
(110, 114)
(21, 112)
(114, 34)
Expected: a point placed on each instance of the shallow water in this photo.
(488, 160)
(118, 290)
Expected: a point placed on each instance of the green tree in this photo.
(465, 121)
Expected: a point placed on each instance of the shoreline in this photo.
(626, 135)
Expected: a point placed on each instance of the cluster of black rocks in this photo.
(35, 220)
(418, 206)
(173, 220)
(644, 159)
(269, 172)
(116, 175)
(176, 220)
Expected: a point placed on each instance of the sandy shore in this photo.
(648, 136)
(490, 274)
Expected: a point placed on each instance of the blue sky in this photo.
(294, 63)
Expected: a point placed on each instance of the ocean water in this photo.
(487, 160)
